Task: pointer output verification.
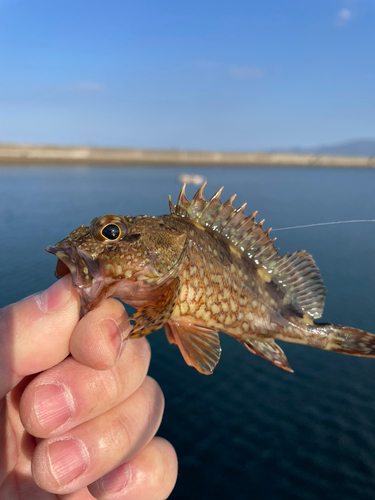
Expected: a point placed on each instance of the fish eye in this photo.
(111, 232)
(109, 228)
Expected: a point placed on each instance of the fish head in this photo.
(120, 256)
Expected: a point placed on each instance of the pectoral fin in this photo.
(199, 346)
(268, 350)
(154, 315)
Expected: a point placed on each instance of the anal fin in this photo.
(156, 313)
(268, 350)
(199, 346)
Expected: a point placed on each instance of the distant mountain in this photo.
(360, 147)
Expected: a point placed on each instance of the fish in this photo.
(203, 268)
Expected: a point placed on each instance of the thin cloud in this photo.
(343, 17)
(85, 87)
(246, 73)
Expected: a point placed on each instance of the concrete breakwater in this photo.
(27, 154)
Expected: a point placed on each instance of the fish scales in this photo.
(205, 267)
(219, 288)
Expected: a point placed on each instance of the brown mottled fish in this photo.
(205, 267)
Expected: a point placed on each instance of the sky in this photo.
(202, 74)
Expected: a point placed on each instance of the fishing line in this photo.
(324, 224)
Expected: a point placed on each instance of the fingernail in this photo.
(116, 480)
(68, 460)
(111, 330)
(56, 296)
(53, 406)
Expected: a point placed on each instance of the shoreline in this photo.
(28, 154)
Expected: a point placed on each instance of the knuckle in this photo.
(108, 388)
(114, 306)
(166, 473)
(154, 391)
(161, 460)
(122, 432)
(142, 349)
(137, 354)
(154, 401)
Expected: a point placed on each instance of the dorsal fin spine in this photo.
(296, 274)
(198, 202)
(182, 202)
(172, 207)
(211, 207)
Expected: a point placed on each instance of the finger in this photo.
(82, 494)
(98, 339)
(87, 452)
(35, 332)
(69, 394)
(150, 475)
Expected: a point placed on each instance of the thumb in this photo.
(35, 332)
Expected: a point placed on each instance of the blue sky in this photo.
(203, 74)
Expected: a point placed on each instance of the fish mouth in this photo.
(83, 268)
(86, 275)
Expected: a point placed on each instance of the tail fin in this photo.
(348, 340)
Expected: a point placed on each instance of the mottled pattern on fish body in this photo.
(205, 268)
(222, 289)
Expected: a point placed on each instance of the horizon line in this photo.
(25, 153)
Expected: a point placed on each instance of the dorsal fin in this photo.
(296, 274)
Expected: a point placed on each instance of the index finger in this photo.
(35, 332)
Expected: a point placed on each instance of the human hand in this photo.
(84, 426)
